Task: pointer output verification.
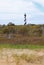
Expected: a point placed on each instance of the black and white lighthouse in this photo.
(25, 19)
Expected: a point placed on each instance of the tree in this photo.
(9, 31)
(24, 30)
(38, 31)
(10, 24)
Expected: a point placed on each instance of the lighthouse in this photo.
(25, 19)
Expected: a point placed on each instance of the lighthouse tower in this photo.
(25, 19)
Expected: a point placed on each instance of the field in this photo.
(11, 54)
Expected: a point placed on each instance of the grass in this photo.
(32, 58)
(21, 46)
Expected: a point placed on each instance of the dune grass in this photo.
(19, 46)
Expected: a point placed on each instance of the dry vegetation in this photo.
(22, 34)
(23, 40)
(21, 57)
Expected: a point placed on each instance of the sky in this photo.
(14, 10)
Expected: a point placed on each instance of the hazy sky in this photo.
(13, 11)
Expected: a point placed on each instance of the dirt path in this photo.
(21, 57)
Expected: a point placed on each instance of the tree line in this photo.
(12, 30)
